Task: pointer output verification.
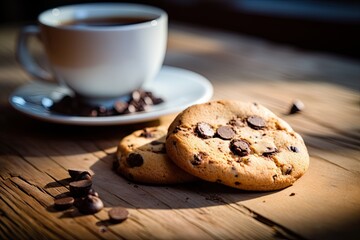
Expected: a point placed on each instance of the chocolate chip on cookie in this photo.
(269, 151)
(236, 122)
(294, 149)
(134, 160)
(225, 132)
(198, 158)
(256, 122)
(240, 147)
(146, 133)
(286, 169)
(141, 157)
(156, 142)
(204, 130)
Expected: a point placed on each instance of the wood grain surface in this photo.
(323, 204)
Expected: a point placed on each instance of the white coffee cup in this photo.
(96, 61)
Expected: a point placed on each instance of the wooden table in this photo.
(323, 204)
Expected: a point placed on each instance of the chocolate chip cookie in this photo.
(141, 157)
(242, 145)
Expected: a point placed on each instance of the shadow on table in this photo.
(116, 190)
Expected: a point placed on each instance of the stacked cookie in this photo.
(242, 145)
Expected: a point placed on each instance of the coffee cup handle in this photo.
(24, 57)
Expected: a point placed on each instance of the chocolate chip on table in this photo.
(63, 203)
(93, 193)
(134, 160)
(256, 122)
(118, 214)
(80, 188)
(296, 106)
(294, 149)
(239, 147)
(90, 205)
(225, 132)
(74, 173)
(204, 130)
(83, 176)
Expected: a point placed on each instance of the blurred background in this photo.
(321, 25)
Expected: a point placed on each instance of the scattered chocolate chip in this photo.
(204, 130)
(157, 100)
(74, 173)
(292, 194)
(80, 188)
(296, 106)
(134, 160)
(63, 195)
(120, 106)
(239, 147)
(90, 205)
(63, 203)
(118, 214)
(139, 100)
(136, 95)
(256, 122)
(93, 193)
(237, 183)
(83, 176)
(286, 169)
(294, 149)
(269, 151)
(225, 132)
(130, 109)
(198, 158)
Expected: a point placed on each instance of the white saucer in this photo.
(178, 87)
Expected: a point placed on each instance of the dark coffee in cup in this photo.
(101, 51)
(107, 21)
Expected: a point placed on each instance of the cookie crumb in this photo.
(292, 194)
(102, 229)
